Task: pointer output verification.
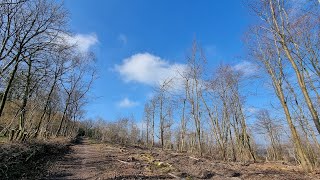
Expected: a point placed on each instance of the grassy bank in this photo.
(30, 160)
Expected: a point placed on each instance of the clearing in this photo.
(91, 160)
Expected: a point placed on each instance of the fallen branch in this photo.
(193, 158)
(170, 174)
(123, 161)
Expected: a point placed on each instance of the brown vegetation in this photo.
(93, 160)
(30, 160)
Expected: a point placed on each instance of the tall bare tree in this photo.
(194, 86)
(278, 43)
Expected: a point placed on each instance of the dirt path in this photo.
(88, 160)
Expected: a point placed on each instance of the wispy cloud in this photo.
(123, 39)
(83, 42)
(252, 110)
(127, 103)
(149, 69)
(246, 67)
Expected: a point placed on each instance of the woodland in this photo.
(45, 83)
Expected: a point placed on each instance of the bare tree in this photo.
(224, 106)
(194, 87)
(26, 28)
(148, 120)
(163, 102)
(275, 42)
(272, 130)
(75, 88)
(275, 70)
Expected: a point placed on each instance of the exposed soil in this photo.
(89, 160)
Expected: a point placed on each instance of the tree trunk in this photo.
(6, 92)
(45, 107)
(63, 117)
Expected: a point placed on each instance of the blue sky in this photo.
(137, 31)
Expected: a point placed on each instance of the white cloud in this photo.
(252, 110)
(83, 42)
(247, 68)
(149, 69)
(123, 39)
(127, 103)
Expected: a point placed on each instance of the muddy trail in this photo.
(90, 160)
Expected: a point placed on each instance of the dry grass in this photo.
(91, 160)
(29, 160)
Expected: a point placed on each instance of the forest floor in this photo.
(90, 160)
